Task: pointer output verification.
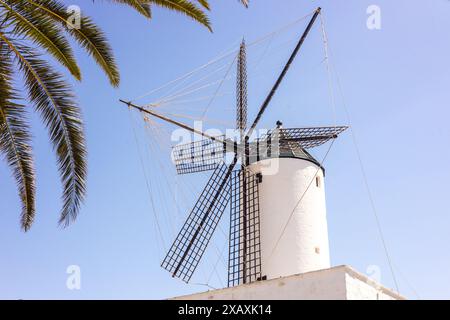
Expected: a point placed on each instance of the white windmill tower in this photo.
(278, 224)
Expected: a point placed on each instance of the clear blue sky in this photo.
(395, 81)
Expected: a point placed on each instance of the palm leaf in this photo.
(15, 141)
(183, 6)
(187, 8)
(245, 2)
(41, 29)
(53, 100)
(142, 6)
(89, 36)
(204, 4)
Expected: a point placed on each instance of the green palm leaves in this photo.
(27, 25)
(30, 32)
(187, 8)
(192, 9)
(88, 36)
(15, 138)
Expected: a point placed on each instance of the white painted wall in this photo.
(294, 235)
(338, 283)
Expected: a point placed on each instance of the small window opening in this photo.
(318, 182)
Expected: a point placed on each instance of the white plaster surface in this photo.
(294, 235)
(337, 283)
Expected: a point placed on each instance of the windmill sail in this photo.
(306, 137)
(244, 260)
(193, 238)
(198, 156)
(241, 91)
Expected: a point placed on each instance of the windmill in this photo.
(258, 200)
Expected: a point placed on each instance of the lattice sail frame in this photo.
(204, 155)
(197, 156)
(241, 91)
(308, 138)
(193, 238)
(244, 255)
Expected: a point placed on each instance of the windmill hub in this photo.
(279, 124)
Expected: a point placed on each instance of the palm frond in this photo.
(245, 2)
(204, 4)
(53, 99)
(41, 29)
(15, 140)
(89, 36)
(187, 8)
(142, 6)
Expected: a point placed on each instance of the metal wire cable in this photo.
(222, 56)
(147, 184)
(366, 183)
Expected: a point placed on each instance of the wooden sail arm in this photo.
(230, 145)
